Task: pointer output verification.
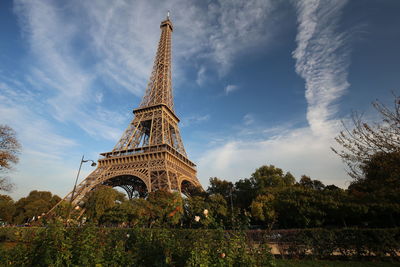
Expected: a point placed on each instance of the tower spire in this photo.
(159, 88)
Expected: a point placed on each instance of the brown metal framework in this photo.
(150, 154)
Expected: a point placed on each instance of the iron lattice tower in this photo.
(150, 154)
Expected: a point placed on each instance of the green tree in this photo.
(34, 205)
(270, 176)
(299, 207)
(165, 208)
(7, 209)
(263, 209)
(381, 180)
(244, 193)
(136, 212)
(265, 179)
(9, 150)
(307, 182)
(101, 199)
(222, 187)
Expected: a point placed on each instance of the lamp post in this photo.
(83, 160)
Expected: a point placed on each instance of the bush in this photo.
(344, 243)
(89, 246)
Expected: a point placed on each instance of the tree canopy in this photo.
(9, 150)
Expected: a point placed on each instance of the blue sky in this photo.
(255, 82)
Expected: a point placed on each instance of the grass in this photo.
(320, 263)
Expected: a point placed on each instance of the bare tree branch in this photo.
(363, 140)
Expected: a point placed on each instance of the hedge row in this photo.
(90, 246)
(87, 246)
(347, 244)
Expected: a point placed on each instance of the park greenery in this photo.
(269, 199)
(196, 229)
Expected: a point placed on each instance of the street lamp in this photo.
(83, 160)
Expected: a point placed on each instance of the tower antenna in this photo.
(168, 14)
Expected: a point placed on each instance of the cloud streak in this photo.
(322, 59)
(231, 88)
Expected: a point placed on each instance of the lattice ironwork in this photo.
(150, 154)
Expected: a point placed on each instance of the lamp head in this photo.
(93, 164)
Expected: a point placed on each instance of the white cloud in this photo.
(322, 59)
(230, 88)
(99, 97)
(201, 76)
(299, 151)
(194, 119)
(58, 75)
(248, 119)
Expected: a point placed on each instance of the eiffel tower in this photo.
(150, 155)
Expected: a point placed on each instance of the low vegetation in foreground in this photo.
(319, 263)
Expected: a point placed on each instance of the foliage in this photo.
(330, 263)
(35, 204)
(7, 209)
(90, 246)
(211, 212)
(165, 208)
(381, 179)
(365, 140)
(307, 182)
(101, 199)
(222, 187)
(346, 243)
(262, 208)
(9, 150)
(264, 180)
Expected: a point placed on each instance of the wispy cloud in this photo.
(230, 88)
(298, 151)
(322, 59)
(201, 76)
(248, 119)
(62, 75)
(194, 119)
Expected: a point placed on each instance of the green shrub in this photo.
(56, 245)
(344, 243)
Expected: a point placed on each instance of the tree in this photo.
(166, 208)
(9, 150)
(264, 180)
(101, 199)
(222, 187)
(7, 209)
(34, 205)
(307, 182)
(360, 144)
(381, 178)
(262, 208)
(270, 176)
